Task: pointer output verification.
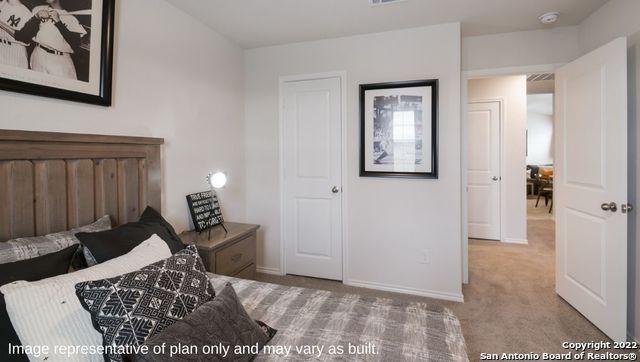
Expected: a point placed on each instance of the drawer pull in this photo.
(236, 258)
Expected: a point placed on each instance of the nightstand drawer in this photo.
(236, 256)
(229, 252)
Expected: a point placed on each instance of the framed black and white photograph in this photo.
(399, 129)
(57, 48)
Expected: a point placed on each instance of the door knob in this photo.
(626, 208)
(335, 189)
(612, 206)
(495, 178)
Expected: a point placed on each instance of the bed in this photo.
(400, 331)
(57, 181)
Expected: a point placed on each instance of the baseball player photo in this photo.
(58, 48)
(58, 37)
(13, 17)
(47, 36)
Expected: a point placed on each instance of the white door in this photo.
(312, 142)
(590, 176)
(483, 171)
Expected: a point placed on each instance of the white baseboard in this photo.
(267, 270)
(404, 290)
(516, 241)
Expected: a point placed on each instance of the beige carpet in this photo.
(538, 213)
(510, 302)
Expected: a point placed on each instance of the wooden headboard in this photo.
(51, 182)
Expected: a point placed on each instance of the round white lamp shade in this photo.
(218, 180)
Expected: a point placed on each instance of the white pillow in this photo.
(48, 312)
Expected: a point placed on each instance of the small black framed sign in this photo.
(205, 210)
(399, 129)
(58, 49)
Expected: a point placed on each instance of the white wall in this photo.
(174, 78)
(389, 220)
(549, 46)
(541, 87)
(634, 187)
(513, 91)
(540, 129)
(614, 19)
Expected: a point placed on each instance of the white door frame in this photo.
(342, 75)
(466, 76)
(501, 190)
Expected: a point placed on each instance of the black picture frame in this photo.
(433, 83)
(104, 98)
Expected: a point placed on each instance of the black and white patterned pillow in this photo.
(132, 307)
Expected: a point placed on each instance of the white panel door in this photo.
(312, 141)
(483, 171)
(590, 177)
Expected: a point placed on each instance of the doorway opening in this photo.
(540, 146)
(586, 188)
(510, 155)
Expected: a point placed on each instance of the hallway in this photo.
(511, 304)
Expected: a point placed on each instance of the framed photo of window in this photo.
(399, 129)
(58, 48)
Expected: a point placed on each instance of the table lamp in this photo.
(216, 181)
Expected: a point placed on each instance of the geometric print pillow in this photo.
(132, 307)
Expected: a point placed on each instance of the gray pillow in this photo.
(31, 247)
(222, 321)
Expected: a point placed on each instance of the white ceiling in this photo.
(257, 23)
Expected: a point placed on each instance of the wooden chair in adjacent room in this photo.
(545, 187)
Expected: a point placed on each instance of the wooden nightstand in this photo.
(232, 254)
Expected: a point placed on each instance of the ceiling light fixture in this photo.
(549, 18)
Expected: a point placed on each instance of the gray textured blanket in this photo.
(325, 326)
